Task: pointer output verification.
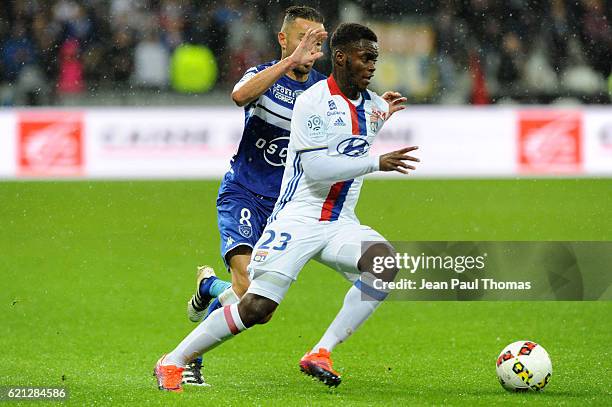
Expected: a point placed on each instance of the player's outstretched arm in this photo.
(305, 53)
(319, 166)
(396, 160)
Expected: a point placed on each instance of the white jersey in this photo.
(326, 122)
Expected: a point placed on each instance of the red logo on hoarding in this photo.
(50, 144)
(550, 141)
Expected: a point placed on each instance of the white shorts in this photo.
(287, 244)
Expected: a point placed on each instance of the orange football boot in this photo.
(169, 377)
(319, 365)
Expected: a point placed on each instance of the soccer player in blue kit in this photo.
(250, 188)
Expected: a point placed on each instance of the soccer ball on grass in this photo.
(524, 366)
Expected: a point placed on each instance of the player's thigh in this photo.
(241, 222)
(346, 247)
(280, 254)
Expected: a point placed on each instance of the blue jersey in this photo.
(259, 163)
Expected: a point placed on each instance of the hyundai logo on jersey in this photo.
(353, 147)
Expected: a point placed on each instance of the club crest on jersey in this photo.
(245, 230)
(378, 115)
(375, 116)
(353, 147)
(260, 255)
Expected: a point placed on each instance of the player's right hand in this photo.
(394, 161)
(309, 49)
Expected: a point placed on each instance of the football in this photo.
(524, 366)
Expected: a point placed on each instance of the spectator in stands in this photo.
(120, 57)
(17, 52)
(512, 60)
(597, 34)
(151, 62)
(70, 79)
(249, 44)
(559, 35)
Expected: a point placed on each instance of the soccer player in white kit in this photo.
(333, 126)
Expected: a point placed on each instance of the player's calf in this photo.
(255, 309)
(238, 260)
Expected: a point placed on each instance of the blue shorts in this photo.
(241, 215)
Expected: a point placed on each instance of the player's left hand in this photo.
(395, 100)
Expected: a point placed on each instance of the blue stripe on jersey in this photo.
(361, 114)
(291, 186)
(280, 201)
(340, 200)
(361, 118)
(370, 291)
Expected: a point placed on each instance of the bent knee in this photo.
(376, 250)
(370, 261)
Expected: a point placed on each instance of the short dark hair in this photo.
(348, 33)
(305, 12)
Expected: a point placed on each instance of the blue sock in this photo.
(218, 286)
(213, 286)
(213, 306)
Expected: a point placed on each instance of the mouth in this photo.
(367, 78)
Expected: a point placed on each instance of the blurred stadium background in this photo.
(135, 52)
(96, 274)
(184, 57)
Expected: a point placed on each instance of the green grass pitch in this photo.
(95, 278)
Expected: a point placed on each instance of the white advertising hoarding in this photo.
(161, 143)
(453, 142)
(7, 144)
(199, 142)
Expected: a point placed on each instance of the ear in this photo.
(339, 57)
(282, 40)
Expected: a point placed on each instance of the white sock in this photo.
(353, 313)
(228, 297)
(221, 325)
